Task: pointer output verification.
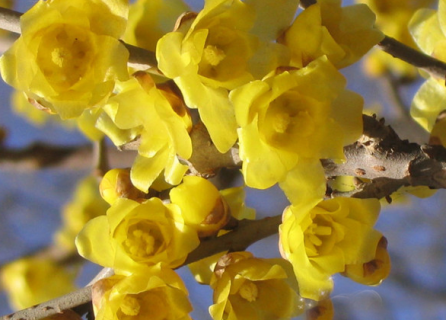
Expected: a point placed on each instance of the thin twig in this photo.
(52, 307)
(10, 20)
(101, 165)
(414, 57)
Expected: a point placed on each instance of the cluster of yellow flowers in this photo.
(261, 79)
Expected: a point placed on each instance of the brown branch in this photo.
(100, 158)
(246, 233)
(10, 20)
(40, 155)
(52, 307)
(414, 57)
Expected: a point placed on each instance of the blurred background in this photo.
(31, 202)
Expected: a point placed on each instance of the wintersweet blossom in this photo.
(134, 236)
(209, 58)
(161, 121)
(343, 34)
(286, 119)
(249, 288)
(320, 241)
(68, 56)
(30, 281)
(228, 44)
(158, 294)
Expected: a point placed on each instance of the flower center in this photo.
(249, 291)
(314, 238)
(143, 240)
(64, 56)
(287, 121)
(130, 306)
(213, 55)
(281, 122)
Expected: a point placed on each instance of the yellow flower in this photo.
(222, 48)
(286, 118)
(158, 294)
(208, 59)
(30, 281)
(343, 34)
(320, 241)
(149, 20)
(162, 122)
(133, 236)
(249, 288)
(202, 206)
(68, 56)
(85, 205)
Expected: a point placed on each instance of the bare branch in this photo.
(246, 233)
(390, 162)
(100, 158)
(414, 57)
(10, 20)
(40, 155)
(52, 307)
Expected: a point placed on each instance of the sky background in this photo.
(30, 205)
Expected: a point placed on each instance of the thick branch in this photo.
(391, 162)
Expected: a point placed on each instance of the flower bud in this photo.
(202, 206)
(116, 184)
